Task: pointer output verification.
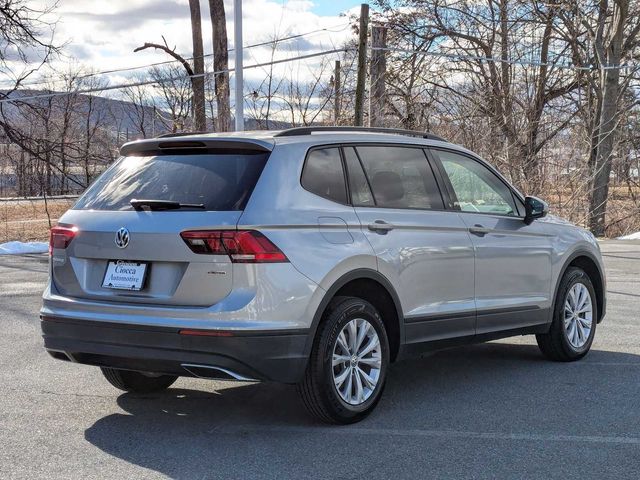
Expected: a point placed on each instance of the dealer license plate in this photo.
(125, 275)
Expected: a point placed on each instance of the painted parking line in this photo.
(416, 433)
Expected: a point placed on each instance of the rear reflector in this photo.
(60, 237)
(206, 333)
(242, 246)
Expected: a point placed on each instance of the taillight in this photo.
(243, 246)
(60, 237)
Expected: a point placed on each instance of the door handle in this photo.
(380, 226)
(479, 230)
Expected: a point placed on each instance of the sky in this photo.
(101, 35)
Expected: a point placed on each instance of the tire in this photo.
(137, 382)
(559, 344)
(318, 389)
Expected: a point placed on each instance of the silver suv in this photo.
(315, 256)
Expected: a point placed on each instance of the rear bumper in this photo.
(259, 355)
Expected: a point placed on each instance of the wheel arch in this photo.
(372, 286)
(587, 262)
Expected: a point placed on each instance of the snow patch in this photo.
(19, 248)
(631, 236)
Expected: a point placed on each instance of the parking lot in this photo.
(497, 410)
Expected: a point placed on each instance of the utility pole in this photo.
(362, 62)
(237, 49)
(336, 93)
(377, 73)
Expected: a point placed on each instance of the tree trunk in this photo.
(221, 63)
(199, 114)
(604, 153)
(610, 83)
(362, 65)
(337, 92)
(378, 67)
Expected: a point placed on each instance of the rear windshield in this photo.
(219, 182)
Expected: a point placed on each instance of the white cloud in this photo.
(102, 35)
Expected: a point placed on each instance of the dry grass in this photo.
(623, 208)
(27, 220)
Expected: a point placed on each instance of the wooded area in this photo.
(547, 91)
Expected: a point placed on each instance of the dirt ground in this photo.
(27, 220)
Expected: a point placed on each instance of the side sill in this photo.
(410, 350)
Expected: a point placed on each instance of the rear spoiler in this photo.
(195, 145)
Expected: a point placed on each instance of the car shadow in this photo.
(251, 430)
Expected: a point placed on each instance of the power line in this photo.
(300, 57)
(452, 56)
(169, 79)
(330, 29)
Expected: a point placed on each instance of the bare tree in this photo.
(410, 96)
(142, 112)
(26, 44)
(158, 74)
(62, 140)
(514, 88)
(261, 100)
(198, 67)
(306, 93)
(220, 64)
(174, 97)
(614, 34)
(26, 39)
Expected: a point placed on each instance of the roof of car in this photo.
(297, 132)
(267, 139)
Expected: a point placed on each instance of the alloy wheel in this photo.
(578, 315)
(356, 361)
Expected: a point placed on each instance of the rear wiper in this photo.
(163, 205)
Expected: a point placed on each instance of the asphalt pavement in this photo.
(496, 410)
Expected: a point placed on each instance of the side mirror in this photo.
(534, 208)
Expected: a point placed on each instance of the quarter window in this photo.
(358, 185)
(323, 174)
(477, 189)
(400, 177)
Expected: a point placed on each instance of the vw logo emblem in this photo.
(122, 238)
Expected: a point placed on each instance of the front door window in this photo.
(476, 188)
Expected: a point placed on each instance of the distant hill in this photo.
(124, 117)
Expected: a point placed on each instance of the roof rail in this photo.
(293, 132)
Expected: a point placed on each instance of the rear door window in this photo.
(221, 182)
(323, 174)
(400, 177)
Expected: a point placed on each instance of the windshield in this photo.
(218, 182)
